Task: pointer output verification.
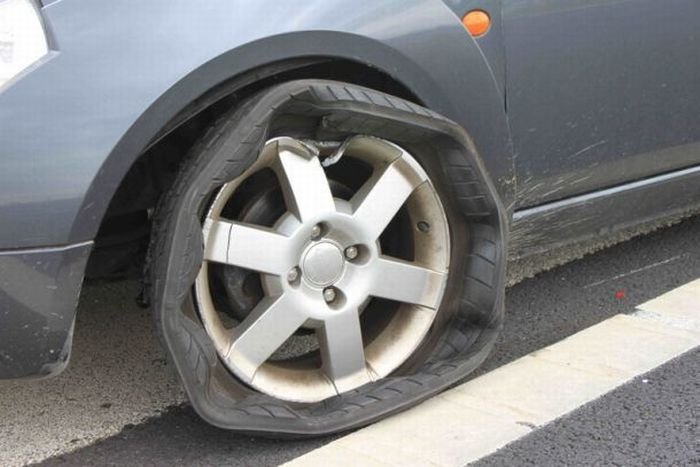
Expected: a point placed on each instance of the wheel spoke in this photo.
(262, 332)
(378, 201)
(304, 184)
(402, 281)
(342, 350)
(247, 246)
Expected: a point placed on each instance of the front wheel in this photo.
(318, 263)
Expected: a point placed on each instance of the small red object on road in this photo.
(620, 294)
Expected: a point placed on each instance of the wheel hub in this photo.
(322, 264)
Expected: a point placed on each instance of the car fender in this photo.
(124, 69)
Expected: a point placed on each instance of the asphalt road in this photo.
(654, 420)
(119, 380)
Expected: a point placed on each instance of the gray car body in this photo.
(577, 107)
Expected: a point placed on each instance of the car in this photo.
(322, 197)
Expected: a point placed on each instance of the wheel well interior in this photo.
(122, 240)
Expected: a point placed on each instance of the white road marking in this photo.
(481, 416)
(679, 308)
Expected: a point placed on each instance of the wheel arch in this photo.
(230, 72)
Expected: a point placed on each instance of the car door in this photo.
(600, 92)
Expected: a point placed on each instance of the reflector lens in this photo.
(477, 22)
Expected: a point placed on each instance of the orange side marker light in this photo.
(477, 22)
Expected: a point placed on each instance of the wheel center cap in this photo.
(323, 264)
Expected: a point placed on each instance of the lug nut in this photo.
(293, 275)
(329, 294)
(351, 252)
(316, 232)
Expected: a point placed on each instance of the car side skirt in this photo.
(602, 214)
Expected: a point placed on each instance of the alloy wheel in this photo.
(320, 266)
